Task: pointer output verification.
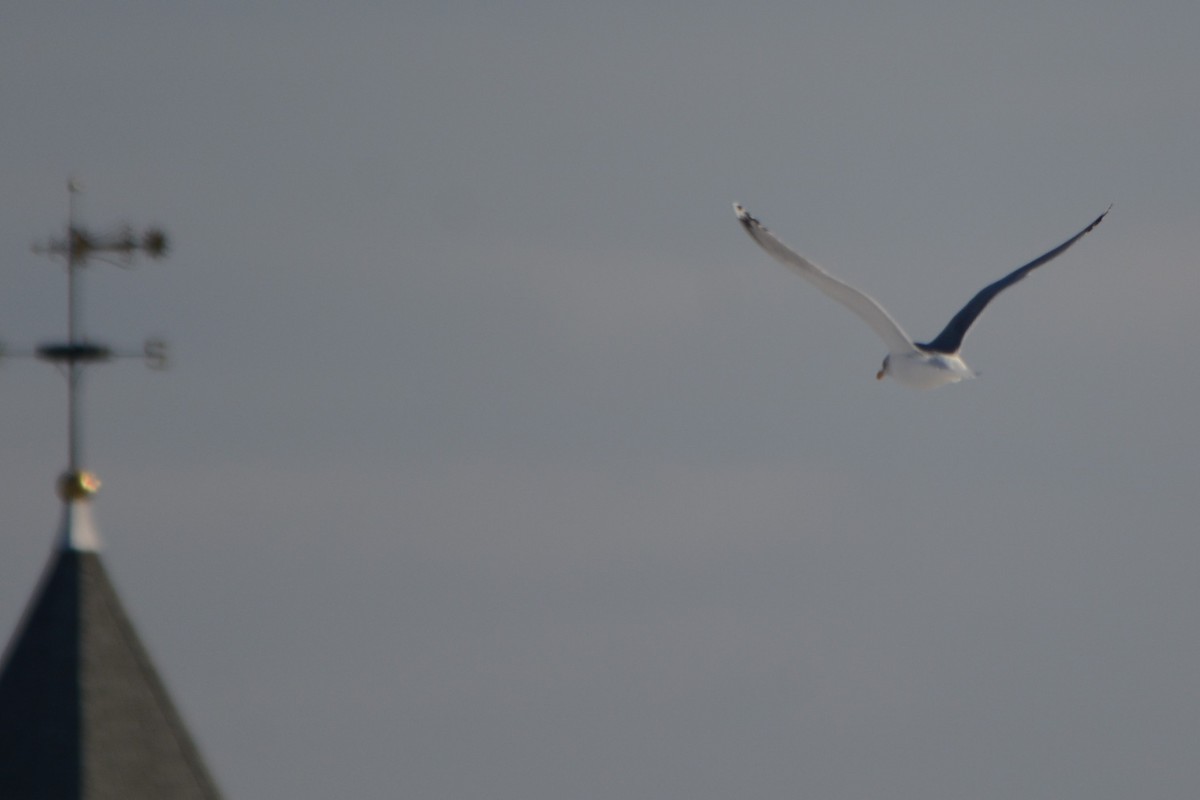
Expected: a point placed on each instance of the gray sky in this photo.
(497, 462)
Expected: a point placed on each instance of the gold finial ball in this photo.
(78, 485)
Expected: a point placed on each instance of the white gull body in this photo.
(917, 365)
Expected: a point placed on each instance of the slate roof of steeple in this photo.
(83, 712)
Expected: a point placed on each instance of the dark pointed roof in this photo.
(83, 713)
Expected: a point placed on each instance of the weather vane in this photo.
(77, 248)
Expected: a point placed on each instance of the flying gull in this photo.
(919, 365)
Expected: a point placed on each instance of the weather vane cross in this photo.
(77, 247)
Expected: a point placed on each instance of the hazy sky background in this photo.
(497, 462)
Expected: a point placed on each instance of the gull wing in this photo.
(951, 337)
(864, 306)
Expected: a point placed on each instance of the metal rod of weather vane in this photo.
(75, 256)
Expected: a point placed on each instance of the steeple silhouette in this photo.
(83, 712)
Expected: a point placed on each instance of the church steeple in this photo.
(83, 712)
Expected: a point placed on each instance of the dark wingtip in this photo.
(748, 222)
(1097, 220)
